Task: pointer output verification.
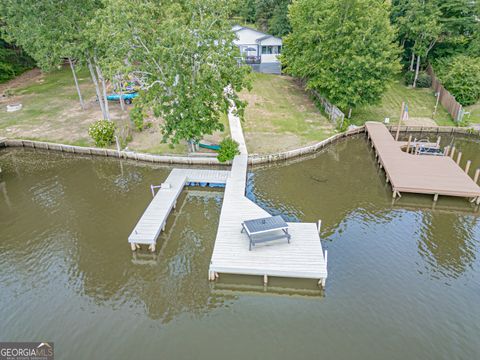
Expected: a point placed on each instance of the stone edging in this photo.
(194, 160)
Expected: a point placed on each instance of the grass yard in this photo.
(51, 112)
(281, 116)
(421, 103)
(474, 117)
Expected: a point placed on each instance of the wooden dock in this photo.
(422, 174)
(302, 258)
(155, 216)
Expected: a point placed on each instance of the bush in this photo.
(409, 76)
(102, 132)
(424, 80)
(460, 75)
(228, 150)
(12, 62)
(136, 116)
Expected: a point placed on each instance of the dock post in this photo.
(477, 173)
(467, 166)
(446, 150)
(435, 197)
(408, 143)
(394, 195)
(452, 152)
(133, 246)
(438, 140)
(400, 121)
(152, 247)
(319, 223)
(265, 279)
(459, 157)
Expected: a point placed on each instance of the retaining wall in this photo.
(204, 160)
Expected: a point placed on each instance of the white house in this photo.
(258, 48)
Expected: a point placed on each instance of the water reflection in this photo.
(74, 216)
(343, 186)
(447, 243)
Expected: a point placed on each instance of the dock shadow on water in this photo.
(403, 277)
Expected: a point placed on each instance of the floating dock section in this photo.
(155, 216)
(421, 174)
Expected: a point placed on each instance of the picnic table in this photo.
(265, 229)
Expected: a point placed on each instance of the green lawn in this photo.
(280, 115)
(51, 112)
(421, 104)
(474, 117)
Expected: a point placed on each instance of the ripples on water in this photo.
(403, 278)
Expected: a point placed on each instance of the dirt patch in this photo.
(419, 121)
(281, 142)
(26, 78)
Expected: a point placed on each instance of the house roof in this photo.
(237, 28)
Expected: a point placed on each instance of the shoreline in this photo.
(210, 160)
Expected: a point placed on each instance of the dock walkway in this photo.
(435, 175)
(302, 258)
(155, 216)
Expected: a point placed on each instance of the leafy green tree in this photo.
(460, 74)
(438, 27)
(50, 30)
(182, 54)
(344, 49)
(418, 23)
(272, 16)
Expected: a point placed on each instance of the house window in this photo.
(266, 50)
(271, 49)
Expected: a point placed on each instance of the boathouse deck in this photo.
(435, 175)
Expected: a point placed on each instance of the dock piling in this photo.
(452, 152)
(408, 143)
(435, 198)
(477, 174)
(467, 166)
(459, 157)
(446, 151)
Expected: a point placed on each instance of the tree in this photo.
(49, 31)
(438, 27)
(460, 74)
(344, 49)
(182, 54)
(418, 23)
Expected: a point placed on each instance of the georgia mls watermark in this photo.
(26, 351)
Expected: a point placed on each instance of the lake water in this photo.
(404, 279)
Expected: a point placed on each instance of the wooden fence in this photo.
(453, 107)
(334, 113)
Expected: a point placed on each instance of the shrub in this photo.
(460, 75)
(102, 132)
(424, 80)
(409, 76)
(228, 150)
(136, 116)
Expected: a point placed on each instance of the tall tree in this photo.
(49, 31)
(344, 49)
(183, 55)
